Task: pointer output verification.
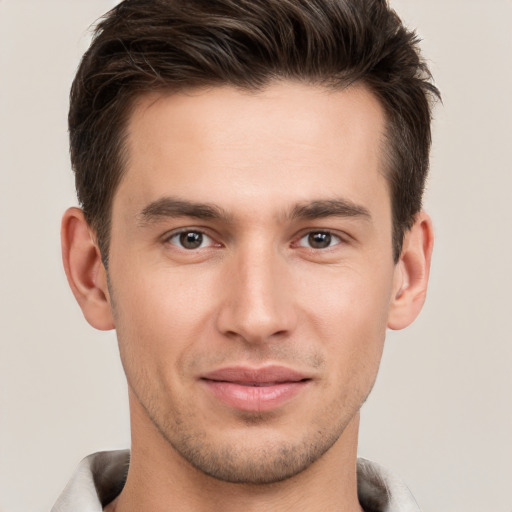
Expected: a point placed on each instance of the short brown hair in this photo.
(171, 45)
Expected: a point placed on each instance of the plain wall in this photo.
(441, 412)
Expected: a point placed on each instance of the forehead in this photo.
(293, 110)
(288, 139)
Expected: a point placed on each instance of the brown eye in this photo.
(190, 240)
(319, 240)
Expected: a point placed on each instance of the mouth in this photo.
(255, 390)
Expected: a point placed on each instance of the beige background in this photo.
(441, 412)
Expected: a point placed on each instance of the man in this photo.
(250, 175)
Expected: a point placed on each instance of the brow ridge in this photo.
(170, 207)
(329, 208)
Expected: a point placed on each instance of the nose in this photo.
(258, 298)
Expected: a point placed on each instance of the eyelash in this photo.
(326, 233)
(297, 243)
(182, 232)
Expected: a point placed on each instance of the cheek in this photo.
(159, 317)
(348, 311)
(347, 299)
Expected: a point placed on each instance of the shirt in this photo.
(100, 477)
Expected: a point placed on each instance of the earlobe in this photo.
(411, 273)
(86, 274)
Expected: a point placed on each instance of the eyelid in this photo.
(190, 229)
(342, 238)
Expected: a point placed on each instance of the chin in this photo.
(254, 457)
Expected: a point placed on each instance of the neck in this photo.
(160, 480)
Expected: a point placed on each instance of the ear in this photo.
(86, 274)
(411, 273)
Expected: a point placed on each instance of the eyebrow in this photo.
(170, 207)
(329, 208)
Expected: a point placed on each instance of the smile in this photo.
(255, 390)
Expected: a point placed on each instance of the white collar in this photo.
(100, 478)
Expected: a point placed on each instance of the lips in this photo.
(256, 390)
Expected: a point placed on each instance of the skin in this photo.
(259, 290)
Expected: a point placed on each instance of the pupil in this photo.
(320, 240)
(191, 240)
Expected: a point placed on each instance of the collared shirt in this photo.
(100, 478)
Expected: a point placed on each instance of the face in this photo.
(251, 272)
